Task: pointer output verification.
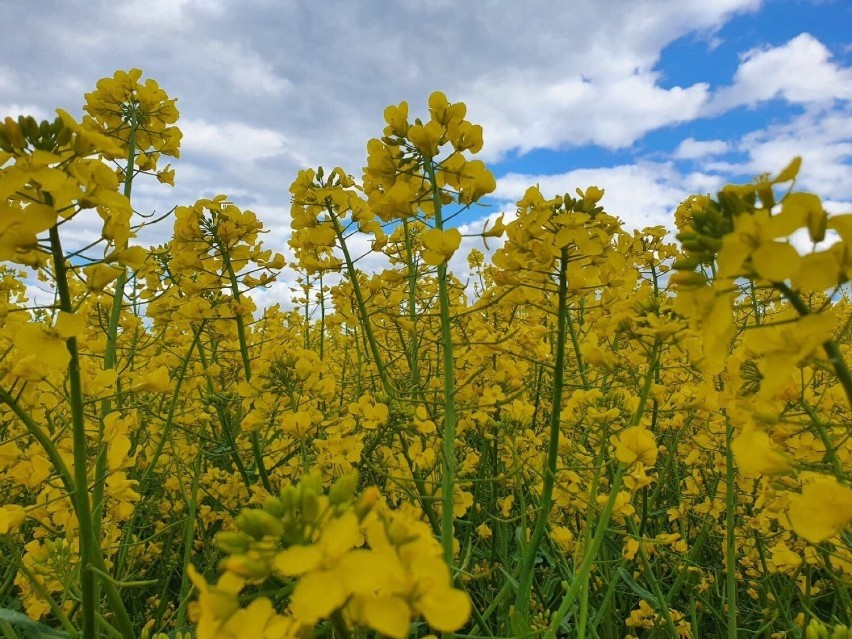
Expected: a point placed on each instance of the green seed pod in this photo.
(712, 243)
(29, 126)
(63, 135)
(247, 566)
(312, 482)
(259, 523)
(686, 263)
(5, 142)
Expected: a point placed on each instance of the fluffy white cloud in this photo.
(641, 195)
(523, 112)
(692, 149)
(800, 71)
(233, 140)
(824, 140)
(266, 88)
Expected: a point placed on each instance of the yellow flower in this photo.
(42, 349)
(427, 138)
(439, 245)
(157, 381)
(19, 230)
(636, 444)
(11, 518)
(822, 510)
(99, 275)
(755, 454)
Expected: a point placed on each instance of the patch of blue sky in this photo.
(553, 161)
(713, 58)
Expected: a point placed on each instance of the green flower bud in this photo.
(259, 523)
(275, 506)
(310, 506)
(289, 496)
(232, 542)
(246, 566)
(343, 489)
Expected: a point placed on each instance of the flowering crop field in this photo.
(601, 433)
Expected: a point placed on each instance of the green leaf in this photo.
(31, 629)
(639, 590)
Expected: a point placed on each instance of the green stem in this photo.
(362, 307)
(188, 538)
(42, 438)
(110, 353)
(832, 350)
(589, 557)
(256, 447)
(730, 537)
(152, 462)
(449, 434)
(522, 600)
(88, 535)
(412, 309)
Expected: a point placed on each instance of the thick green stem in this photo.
(111, 351)
(449, 434)
(730, 537)
(42, 438)
(256, 447)
(153, 459)
(522, 600)
(88, 535)
(188, 538)
(412, 310)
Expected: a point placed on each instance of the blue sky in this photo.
(650, 99)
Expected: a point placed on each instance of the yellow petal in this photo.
(317, 595)
(389, 616)
(822, 510)
(755, 454)
(775, 261)
(297, 560)
(69, 324)
(445, 609)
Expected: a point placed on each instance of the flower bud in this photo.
(232, 542)
(259, 523)
(343, 489)
(250, 567)
(274, 506)
(366, 502)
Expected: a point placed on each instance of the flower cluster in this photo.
(355, 563)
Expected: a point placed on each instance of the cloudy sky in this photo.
(650, 99)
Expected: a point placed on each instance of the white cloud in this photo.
(800, 71)
(692, 149)
(266, 88)
(522, 112)
(15, 110)
(823, 140)
(233, 140)
(641, 195)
